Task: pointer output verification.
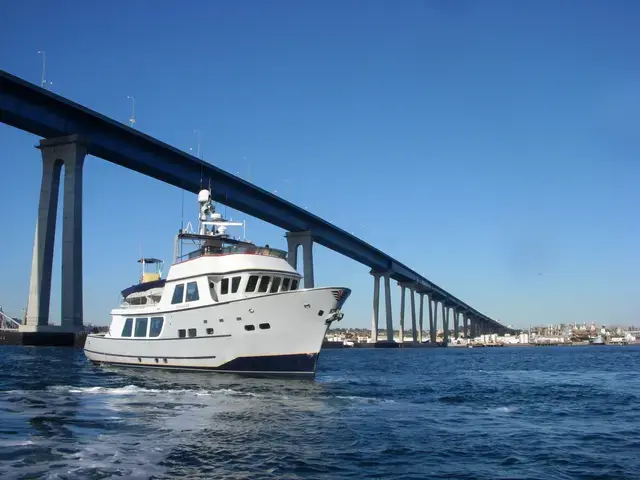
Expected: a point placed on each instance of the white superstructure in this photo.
(227, 306)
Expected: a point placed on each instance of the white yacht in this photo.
(227, 306)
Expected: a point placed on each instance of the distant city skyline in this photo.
(492, 147)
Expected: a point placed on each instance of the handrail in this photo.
(8, 323)
(213, 251)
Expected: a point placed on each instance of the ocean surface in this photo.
(494, 413)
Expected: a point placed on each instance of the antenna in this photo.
(132, 120)
(43, 82)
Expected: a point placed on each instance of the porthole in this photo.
(264, 326)
(249, 328)
(320, 313)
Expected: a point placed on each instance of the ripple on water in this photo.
(439, 413)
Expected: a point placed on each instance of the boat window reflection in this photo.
(235, 283)
(264, 283)
(251, 284)
(141, 327)
(128, 326)
(178, 293)
(192, 292)
(156, 326)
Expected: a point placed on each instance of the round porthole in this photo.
(251, 310)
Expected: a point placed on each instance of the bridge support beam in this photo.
(456, 324)
(387, 305)
(402, 288)
(414, 328)
(433, 321)
(68, 151)
(376, 307)
(445, 323)
(421, 318)
(304, 239)
(465, 325)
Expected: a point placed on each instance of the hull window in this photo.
(193, 332)
(251, 284)
(249, 328)
(192, 292)
(264, 284)
(264, 326)
(178, 293)
(182, 333)
(156, 326)
(141, 327)
(285, 284)
(275, 284)
(128, 327)
(235, 284)
(224, 286)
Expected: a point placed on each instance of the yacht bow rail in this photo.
(8, 323)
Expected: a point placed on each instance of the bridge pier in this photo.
(456, 325)
(414, 328)
(304, 239)
(402, 288)
(445, 323)
(376, 306)
(68, 151)
(387, 302)
(433, 320)
(465, 326)
(421, 318)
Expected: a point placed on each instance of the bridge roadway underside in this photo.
(30, 108)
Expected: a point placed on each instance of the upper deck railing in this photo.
(214, 251)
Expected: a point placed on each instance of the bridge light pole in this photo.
(43, 81)
(132, 120)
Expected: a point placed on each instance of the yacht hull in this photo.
(277, 334)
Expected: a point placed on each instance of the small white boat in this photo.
(227, 306)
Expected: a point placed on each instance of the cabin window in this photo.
(235, 284)
(193, 332)
(264, 283)
(251, 284)
(294, 284)
(128, 326)
(275, 284)
(156, 326)
(224, 286)
(178, 293)
(249, 328)
(192, 292)
(264, 326)
(285, 284)
(182, 333)
(141, 327)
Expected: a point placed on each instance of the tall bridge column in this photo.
(68, 151)
(305, 239)
(465, 326)
(456, 325)
(421, 317)
(433, 320)
(414, 332)
(387, 304)
(42, 261)
(376, 306)
(402, 287)
(445, 323)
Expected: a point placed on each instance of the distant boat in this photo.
(597, 341)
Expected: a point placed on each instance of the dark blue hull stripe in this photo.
(272, 364)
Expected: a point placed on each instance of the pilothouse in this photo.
(227, 305)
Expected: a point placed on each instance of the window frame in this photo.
(235, 283)
(178, 287)
(141, 320)
(186, 292)
(151, 319)
(127, 323)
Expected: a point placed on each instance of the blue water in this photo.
(538, 413)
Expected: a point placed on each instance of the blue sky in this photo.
(493, 146)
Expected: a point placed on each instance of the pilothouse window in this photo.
(224, 286)
(251, 284)
(294, 284)
(285, 284)
(192, 292)
(235, 283)
(264, 283)
(178, 293)
(275, 285)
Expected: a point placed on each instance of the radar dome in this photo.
(204, 196)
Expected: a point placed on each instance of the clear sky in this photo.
(491, 145)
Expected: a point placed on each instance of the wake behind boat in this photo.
(227, 306)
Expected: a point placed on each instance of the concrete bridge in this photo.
(71, 131)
